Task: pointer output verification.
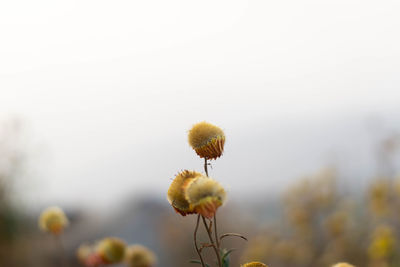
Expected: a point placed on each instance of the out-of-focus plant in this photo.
(139, 256)
(108, 251)
(254, 264)
(53, 220)
(343, 264)
(12, 161)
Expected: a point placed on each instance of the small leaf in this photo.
(226, 253)
(225, 257)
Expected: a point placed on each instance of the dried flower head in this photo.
(207, 140)
(205, 195)
(139, 256)
(53, 220)
(343, 264)
(176, 192)
(111, 250)
(254, 264)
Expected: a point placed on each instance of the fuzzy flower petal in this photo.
(205, 195)
(176, 192)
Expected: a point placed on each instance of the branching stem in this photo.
(216, 249)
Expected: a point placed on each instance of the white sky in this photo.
(101, 82)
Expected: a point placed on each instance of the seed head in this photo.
(111, 250)
(139, 256)
(254, 264)
(207, 140)
(53, 220)
(176, 192)
(205, 195)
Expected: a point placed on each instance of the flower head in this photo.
(207, 140)
(83, 252)
(176, 192)
(87, 255)
(205, 195)
(139, 256)
(53, 220)
(111, 250)
(343, 264)
(254, 264)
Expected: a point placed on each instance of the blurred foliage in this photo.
(322, 226)
(319, 223)
(11, 166)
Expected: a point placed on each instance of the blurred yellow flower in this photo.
(53, 220)
(254, 264)
(207, 140)
(87, 256)
(379, 196)
(343, 264)
(205, 195)
(176, 192)
(139, 256)
(383, 243)
(83, 252)
(111, 250)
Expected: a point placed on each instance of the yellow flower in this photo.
(383, 243)
(87, 256)
(254, 264)
(139, 256)
(343, 264)
(176, 192)
(207, 140)
(53, 220)
(205, 195)
(83, 252)
(111, 250)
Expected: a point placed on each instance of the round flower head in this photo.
(343, 264)
(87, 256)
(53, 220)
(139, 256)
(111, 250)
(205, 195)
(254, 264)
(207, 140)
(176, 192)
(83, 252)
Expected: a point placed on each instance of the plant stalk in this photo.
(195, 241)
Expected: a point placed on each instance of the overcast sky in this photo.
(110, 88)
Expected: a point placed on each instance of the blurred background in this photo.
(97, 97)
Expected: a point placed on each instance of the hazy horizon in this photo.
(108, 98)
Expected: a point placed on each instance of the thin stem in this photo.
(216, 231)
(195, 241)
(206, 166)
(64, 260)
(212, 241)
